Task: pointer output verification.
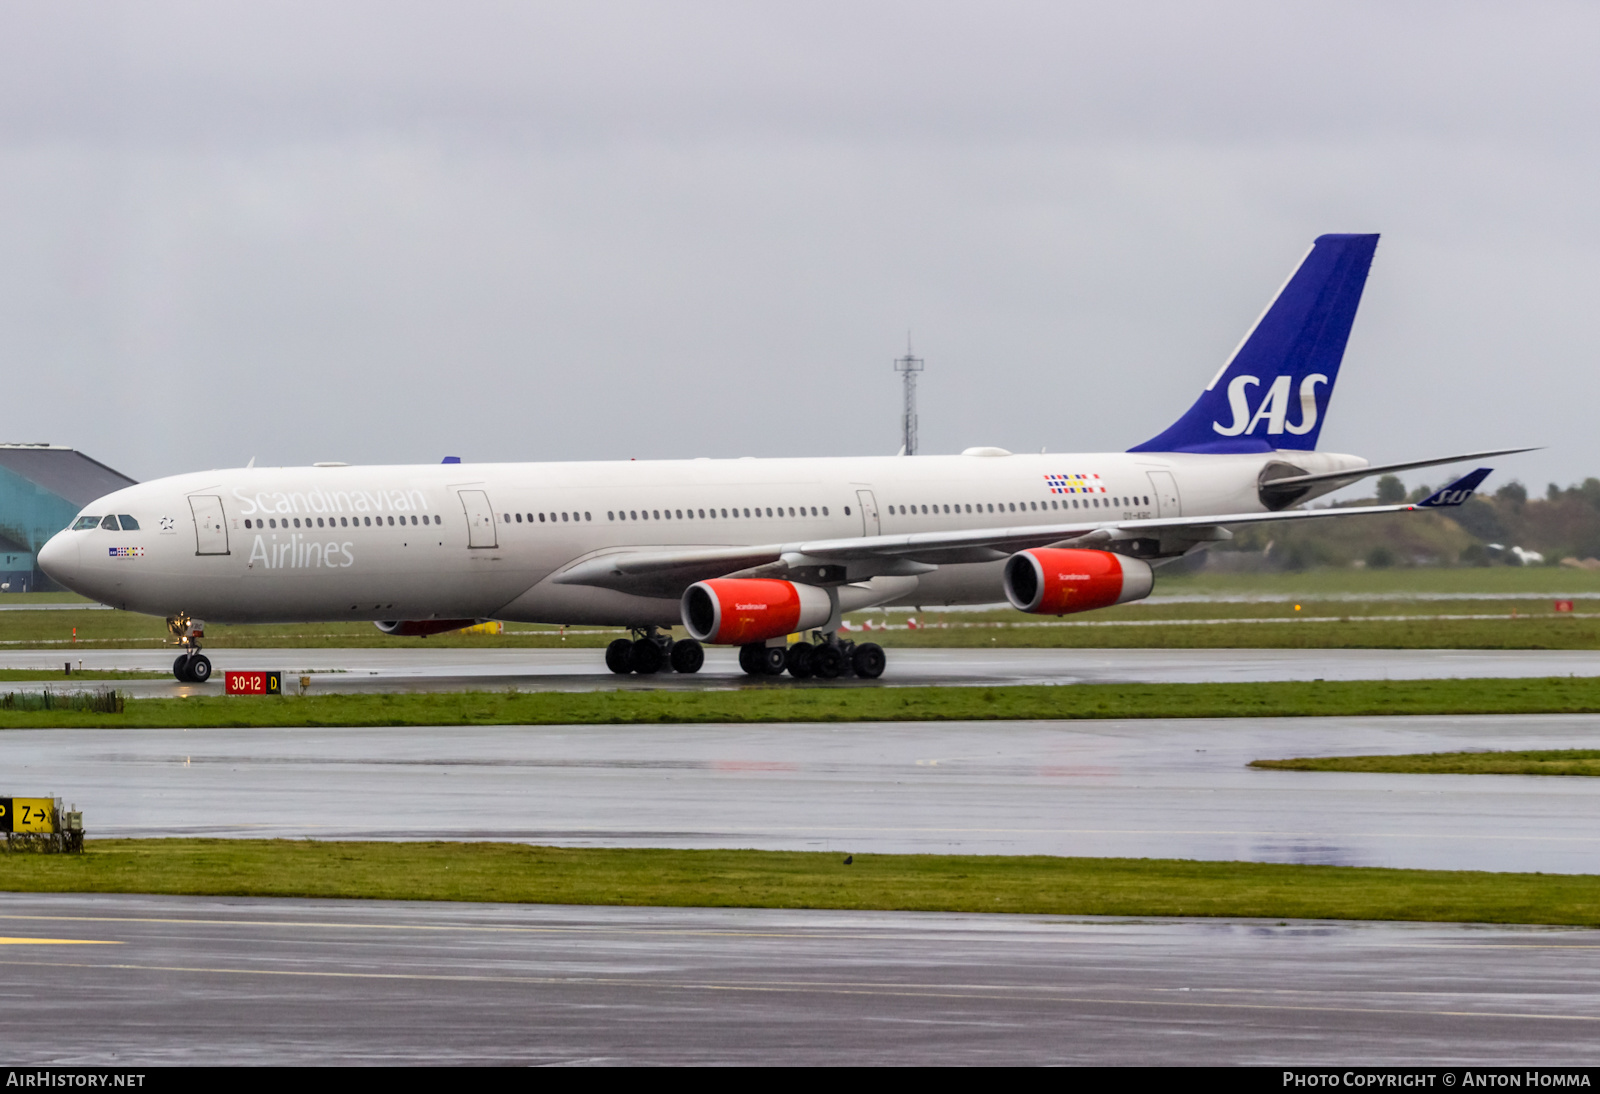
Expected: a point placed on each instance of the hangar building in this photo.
(42, 487)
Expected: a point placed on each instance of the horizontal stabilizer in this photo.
(1457, 492)
(1357, 473)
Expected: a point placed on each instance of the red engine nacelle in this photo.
(738, 610)
(421, 628)
(1058, 580)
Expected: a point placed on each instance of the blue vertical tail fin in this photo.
(1273, 392)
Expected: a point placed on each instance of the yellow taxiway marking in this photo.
(57, 942)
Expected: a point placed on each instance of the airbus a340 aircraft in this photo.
(745, 552)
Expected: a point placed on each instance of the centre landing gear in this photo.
(650, 651)
(760, 659)
(192, 666)
(687, 656)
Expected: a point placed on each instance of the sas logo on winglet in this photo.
(1456, 493)
(1273, 408)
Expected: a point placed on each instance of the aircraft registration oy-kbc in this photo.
(762, 554)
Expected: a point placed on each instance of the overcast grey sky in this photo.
(384, 232)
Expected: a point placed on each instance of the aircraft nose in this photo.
(58, 558)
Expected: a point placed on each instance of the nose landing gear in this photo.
(192, 666)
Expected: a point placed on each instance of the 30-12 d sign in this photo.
(253, 683)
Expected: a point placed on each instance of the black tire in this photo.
(868, 660)
(752, 659)
(774, 659)
(180, 669)
(828, 663)
(687, 656)
(801, 655)
(619, 657)
(647, 657)
(199, 668)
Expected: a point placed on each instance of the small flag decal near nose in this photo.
(126, 552)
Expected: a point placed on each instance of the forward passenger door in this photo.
(481, 531)
(210, 528)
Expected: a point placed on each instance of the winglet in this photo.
(1457, 492)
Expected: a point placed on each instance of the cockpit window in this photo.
(128, 523)
(109, 524)
(86, 522)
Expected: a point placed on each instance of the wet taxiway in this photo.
(357, 670)
(1150, 788)
(128, 981)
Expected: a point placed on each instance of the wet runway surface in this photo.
(130, 981)
(1147, 788)
(358, 670)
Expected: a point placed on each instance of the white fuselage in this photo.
(460, 541)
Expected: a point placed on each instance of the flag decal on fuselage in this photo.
(1074, 484)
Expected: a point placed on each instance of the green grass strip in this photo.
(788, 701)
(516, 873)
(1560, 761)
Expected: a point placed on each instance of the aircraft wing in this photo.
(668, 571)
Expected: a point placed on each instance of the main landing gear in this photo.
(827, 659)
(192, 666)
(649, 651)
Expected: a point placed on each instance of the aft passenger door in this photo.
(1168, 504)
(210, 529)
(481, 531)
(869, 513)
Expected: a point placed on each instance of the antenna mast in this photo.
(908, 367)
